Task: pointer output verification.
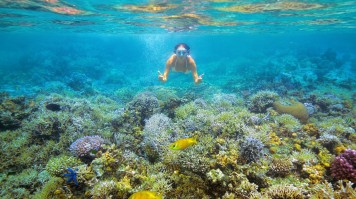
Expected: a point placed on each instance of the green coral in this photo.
(50, 189)
(336, 126)
(186, 110)
(304, 156)
(324, 156)
(297, 109)
(57, 166)
(290, 123)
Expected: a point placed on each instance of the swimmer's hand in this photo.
(161, 77)
(199, 79)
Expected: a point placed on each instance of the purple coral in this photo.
(344, 166)
(85, 145)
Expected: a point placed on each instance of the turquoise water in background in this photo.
(32, 61)
(45, 41)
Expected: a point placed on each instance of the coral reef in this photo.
(82, 137)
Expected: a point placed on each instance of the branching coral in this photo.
(285, 192)
(280, 167)
(157, 135)
(13, 111)
(143, 106)
(56, 166)
(262, 100)
(288, 123)
(251, 149)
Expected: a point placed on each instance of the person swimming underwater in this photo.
(181, 61)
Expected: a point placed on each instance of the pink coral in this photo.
(344, 166)
(85, 145)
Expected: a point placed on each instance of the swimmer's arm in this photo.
(196, 77)
(164, 77)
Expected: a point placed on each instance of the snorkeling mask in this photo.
(181, 52)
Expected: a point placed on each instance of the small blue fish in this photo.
(72, 176)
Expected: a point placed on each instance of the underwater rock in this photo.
(53, 107)
(297, 109)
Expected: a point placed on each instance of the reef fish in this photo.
(145, 195)
(183, 143)
(53, 107)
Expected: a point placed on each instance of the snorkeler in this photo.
(181, 61)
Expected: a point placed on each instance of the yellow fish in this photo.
(183, 143)
(145, 195)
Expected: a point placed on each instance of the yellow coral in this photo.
(339, 149)
(315, 173)
(297, 109)
(297, 147)
(311, 129)
(325, 157)
(273, 149)
(274, 139)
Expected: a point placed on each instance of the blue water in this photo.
(47, 40)
(33, 60)
(93, 57)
